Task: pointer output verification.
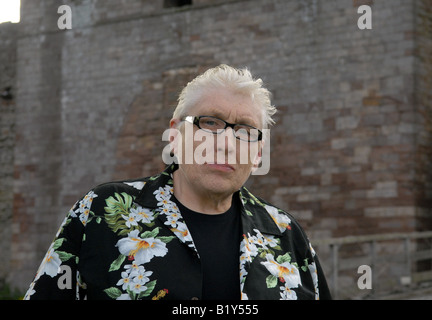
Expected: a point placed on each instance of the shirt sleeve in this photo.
(58, 277)
(323, 291)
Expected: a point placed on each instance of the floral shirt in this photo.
(129, 241)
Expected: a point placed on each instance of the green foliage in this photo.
(116, 207)
(7, 293)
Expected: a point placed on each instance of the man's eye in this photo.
(210, 123)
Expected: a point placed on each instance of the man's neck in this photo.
(199, 200)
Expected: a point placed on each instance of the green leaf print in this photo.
(150, 234)
(117, 263)
(117, 206)
(166, 239)
(58, 243)
(64, 256)
(271, 281)
(120, 204)
(150, 287)
(113, 293)
(285, 258)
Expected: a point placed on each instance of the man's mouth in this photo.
(221, 166)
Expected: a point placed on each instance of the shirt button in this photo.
(195, 298)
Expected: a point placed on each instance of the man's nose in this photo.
(228, 139)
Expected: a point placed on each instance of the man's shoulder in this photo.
(256, 201)
(282, 218)
(130, 188)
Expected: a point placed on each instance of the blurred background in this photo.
(351, 151)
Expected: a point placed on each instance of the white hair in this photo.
(224, 76)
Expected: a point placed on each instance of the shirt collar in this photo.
(255, 214)
(146, 197)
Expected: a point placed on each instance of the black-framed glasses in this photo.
(215, 125)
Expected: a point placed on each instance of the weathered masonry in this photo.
(351, 153)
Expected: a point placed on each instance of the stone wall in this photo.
(8, 33)
(423, 96)
(94, 101)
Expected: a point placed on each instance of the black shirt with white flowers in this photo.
(129, 240)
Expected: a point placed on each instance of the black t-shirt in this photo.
(217, 239)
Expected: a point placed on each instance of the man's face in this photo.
(231, 159)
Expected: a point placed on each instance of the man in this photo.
(193, 231)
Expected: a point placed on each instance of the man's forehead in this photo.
(241, 109)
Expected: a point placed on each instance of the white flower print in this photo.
(313, 270)
(138, 287)
(124, 296)
(286, 271)
(84, 207)
(134, 278)
(142, 277)
(143, 250)
(131, 267)
(130, 220)
(312, 250)
(182, 232)
(244, 296)
(141, 214)
(264, 242)
(165, 202)
(137, 185)
(248, 248)
(88, 198)
(171, 221)
(287, 293)
(124, 281)
(171, 211)
(162, 194)
(248, 251)
(281, 220)
(175, 209)
(50, 266)
(30, 291)
(51, 263)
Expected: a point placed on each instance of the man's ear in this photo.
(174, 135)
(258, 158)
